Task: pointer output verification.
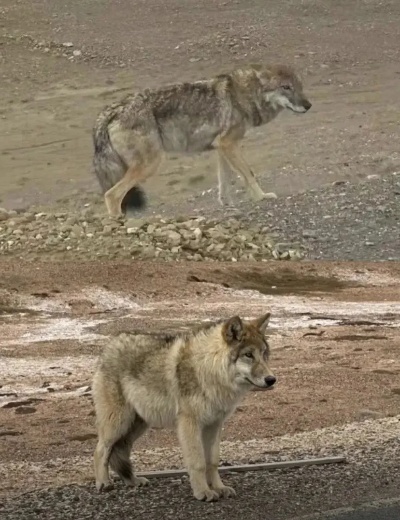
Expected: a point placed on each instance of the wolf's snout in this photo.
(307, 105)
(270, 381)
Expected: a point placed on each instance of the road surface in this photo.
(384, 510)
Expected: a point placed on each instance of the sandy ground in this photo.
(347, 53)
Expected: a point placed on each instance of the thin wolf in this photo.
(132, 137)
(190, 382)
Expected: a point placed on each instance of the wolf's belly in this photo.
(158, 411)
(184, 137)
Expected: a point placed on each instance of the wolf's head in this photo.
(249, 351)
(281, 88)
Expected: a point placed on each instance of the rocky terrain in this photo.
(91, 236)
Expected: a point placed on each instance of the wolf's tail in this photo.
(110, 167)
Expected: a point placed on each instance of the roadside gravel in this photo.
(371, 449)
(282, 494)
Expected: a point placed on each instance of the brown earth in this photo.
(334, 335)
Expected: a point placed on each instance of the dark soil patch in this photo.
(10, 433)
(9, 309)
(357, 337)
(284, 281)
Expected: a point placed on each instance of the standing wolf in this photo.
(130, 137)
(192, 382)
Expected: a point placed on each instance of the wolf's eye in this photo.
(286, 87)
(249, 355)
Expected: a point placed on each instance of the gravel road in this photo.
(370, 512)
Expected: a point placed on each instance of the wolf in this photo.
(191, 382)
(131, 137)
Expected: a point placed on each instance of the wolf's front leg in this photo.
(190, 437)
(238, 164)
(224, 180)
(211, 441)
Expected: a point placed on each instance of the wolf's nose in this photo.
(270, 380)
(307, 105)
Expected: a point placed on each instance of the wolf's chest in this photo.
(217, 410)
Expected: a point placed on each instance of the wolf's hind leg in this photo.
(114, 420)
(137, 172)
(120, 453)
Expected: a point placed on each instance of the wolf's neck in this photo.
(212, 361)
(261, 113)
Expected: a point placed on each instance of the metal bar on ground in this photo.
(249, 467)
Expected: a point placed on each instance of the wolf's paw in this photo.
(104, 486)
(226, 201)
(259, 196)
(225, 491)
(113, 210)
(136, 482)
(140, 481)
(116, 214)
(207, 495)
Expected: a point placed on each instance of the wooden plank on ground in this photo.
(249, 467)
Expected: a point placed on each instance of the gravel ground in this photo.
(372, 454)
(346, 220)
(92, 236)
(280, 494)
(350, 221)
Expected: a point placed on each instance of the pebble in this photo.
(307, 233)
(4, 215)
(369, 414)
(94, 236)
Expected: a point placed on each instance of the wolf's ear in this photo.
(261, 323)
(266, 77)
(233, 330)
